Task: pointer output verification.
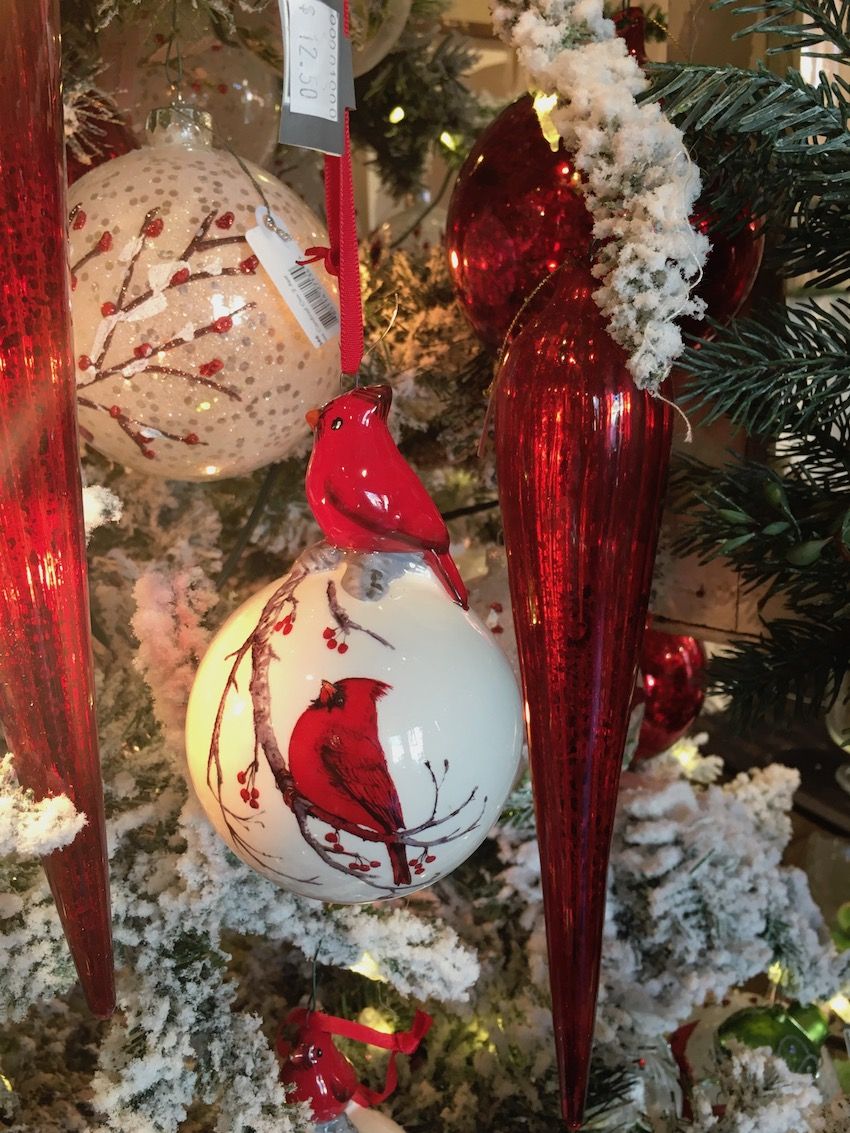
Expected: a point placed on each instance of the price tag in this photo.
(318, 77)
(299, 285)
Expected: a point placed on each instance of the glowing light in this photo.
(450, 141)
(455, 259)
(840, 1004)
(371, 1017)
(203, 407)
(6, 1083)
(367, 966)
(211, 470)
(396, 115)
(544, 104)
(776, 973)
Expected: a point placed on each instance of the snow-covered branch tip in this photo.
(640, 184)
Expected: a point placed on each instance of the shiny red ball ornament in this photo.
(516, 212)
(729, 272)
(582, 460)
(672, 666)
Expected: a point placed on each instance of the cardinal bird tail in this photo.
(398, 860)
(444, 566)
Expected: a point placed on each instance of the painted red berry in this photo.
(115, 411)
(73, 283)
(327, 633)
(223, 324)
(149, 454)
(107, 309)
(331, 643)
(196, 87)
(337, 849)
(191, 439)
(255, 794)
(225, 220)
(223, 88)
(496, 607)
(498, 629)
(287, 628)
(331, 837)
(79, 220)
(249, 265)
(143, 350)
(375, 865)
(254, 804)
(180, 276)
(430, 858)
(212, 367)
(105, 242)
(353, 866)
(84, 362)
(245, 794)
(343, 648)
(154, 227)
(240, 776)
(278, 626)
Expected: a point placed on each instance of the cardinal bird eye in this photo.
(336, 423)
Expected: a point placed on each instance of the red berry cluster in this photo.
(418, 864)
(497, 608)
(180, 276)
(330, 635)
(212, 367)
(249, 794)
(225, 220)
(285, 625)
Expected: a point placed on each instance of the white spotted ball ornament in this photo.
(353, 732)
(190, 362)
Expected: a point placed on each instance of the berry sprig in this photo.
(97, 369)
(249, 792)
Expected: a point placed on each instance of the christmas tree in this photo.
(211, 954)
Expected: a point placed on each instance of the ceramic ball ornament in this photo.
(353, 732)
(191, 363)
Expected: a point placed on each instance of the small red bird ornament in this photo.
(364, 494)
(337, 765)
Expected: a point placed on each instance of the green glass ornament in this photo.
(794, 1033)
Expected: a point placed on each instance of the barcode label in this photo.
(298, 284)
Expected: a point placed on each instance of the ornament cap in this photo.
(180, 125)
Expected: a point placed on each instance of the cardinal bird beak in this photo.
(313, 416)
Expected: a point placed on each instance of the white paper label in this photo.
(297, 283)
(312, 59)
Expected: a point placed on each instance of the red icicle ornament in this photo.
(46, 681)
(582, 460)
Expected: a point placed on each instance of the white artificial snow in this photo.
(100, 506)
(31, 829)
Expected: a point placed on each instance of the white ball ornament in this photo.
(352, 732)
(191, 364)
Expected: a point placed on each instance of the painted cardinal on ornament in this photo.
(316, 1072)
(364, 494)
(337, 765)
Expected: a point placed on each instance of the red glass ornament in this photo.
(46, 683)
(516, 212)
(729, 273)
(315, 1070)
(364, 494)
(582, 460)
(631, 26)
(672, 666)
(102, 139)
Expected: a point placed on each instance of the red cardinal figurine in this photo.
(337, 764)
(364, 494)
(317, 1072)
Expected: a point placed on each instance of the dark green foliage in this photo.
(779, 150)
